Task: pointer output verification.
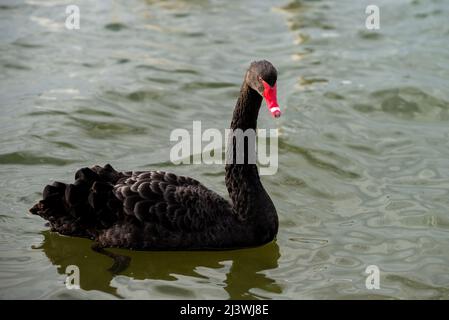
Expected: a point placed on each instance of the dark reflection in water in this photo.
(245, 274)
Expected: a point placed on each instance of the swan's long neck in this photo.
(249, 199)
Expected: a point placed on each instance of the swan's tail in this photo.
(84, 207)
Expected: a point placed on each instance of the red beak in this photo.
(270, 95)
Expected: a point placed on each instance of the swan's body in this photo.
(155, 210)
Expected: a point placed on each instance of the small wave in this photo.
(16, 66)
(28, 158)
(411, 103)
(312, 158)
(115, 26)
(369, 35)
(408, 103)
(209, 85)
(100, 129)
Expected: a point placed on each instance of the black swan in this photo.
(156, 210)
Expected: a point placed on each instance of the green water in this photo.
(363, 173)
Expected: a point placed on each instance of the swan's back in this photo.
(140, 210)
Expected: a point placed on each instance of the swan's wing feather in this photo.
(165, 200)
(155, 205)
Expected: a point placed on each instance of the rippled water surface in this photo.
(363, 173)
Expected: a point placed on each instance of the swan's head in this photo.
(262, 77)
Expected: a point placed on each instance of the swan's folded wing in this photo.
(165, 200)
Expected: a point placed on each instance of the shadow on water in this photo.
(244, 275)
